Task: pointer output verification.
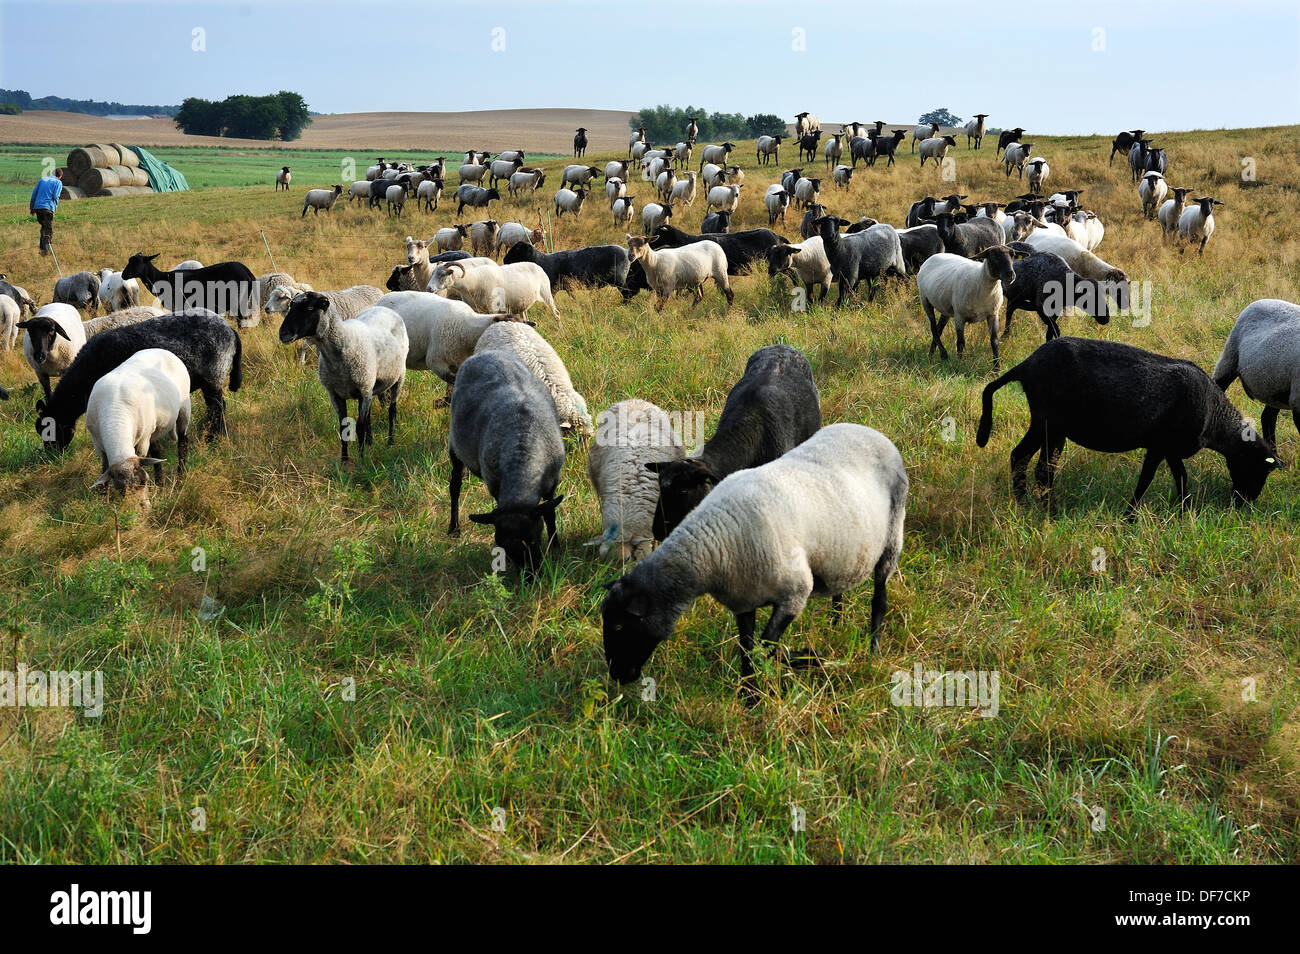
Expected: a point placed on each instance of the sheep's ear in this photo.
(551, 504)
(595, 541)
(150, 461)
(58, 330)
(102, 481)
(24, 324)
(484, 517)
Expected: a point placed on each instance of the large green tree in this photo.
(283, 116)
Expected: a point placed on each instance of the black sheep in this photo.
(227, 288)
(743, 249)
(919, 243)
(1124, 142)
(772, 408)
(1007, 137)
(716, 223)
(1046, 285)
(208, 347)
(394, 282)
(886, 146)
(1114, 398)
(599, 266)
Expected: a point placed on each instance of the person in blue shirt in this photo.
(45, 199)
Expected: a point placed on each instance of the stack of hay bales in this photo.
(104, 169)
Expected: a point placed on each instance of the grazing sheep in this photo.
(842, 176)
(975, 130)
(716, 223)
(526, 180)
(771, 409)
(936, 149)
(805, 262)
(428, 193)
(818, 520)
(540, 358)
(768, 148)
(283, 178)
(490, 287)
(777, 201)
(1046, 285)
(921, 134)
(1037, 170)
(578, 175)
(726, 198)
(1197, 222)
(967, 238)
(808, 192)
(674, 269)
(131, 409)
(209, 348)
(317, 199)
(18, 295)
(120, 319)
(570, 201)
(886, 146)
(80, 290)
(1170, 212)
(600, 266)
(48, 356)
(919, 243)
(451, 239)
(629, 435)
(362, 358)
(10, 314)
(472, 173)
(684, 190)
(475, 197)
(1113, 397)
(654, 215)
(360, 189)
(1263, 349)
(1079, 258)
(116, 294)
(871, 254)
(482, 238)
(718, 154)
(505, 430)
(965, 290)
(512, 233)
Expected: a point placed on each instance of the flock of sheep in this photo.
(775, 507)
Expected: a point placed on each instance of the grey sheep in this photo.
(80, 291)
(1263, 349)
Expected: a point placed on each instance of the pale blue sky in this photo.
(1166, 64)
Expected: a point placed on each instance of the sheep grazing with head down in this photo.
(504, 429)
(363, 358)
(869, 255)
(540, 358)
(772, 408)
(120, 319)
(131, 409)
(1263, 349)
(317, 199)
(1046, 285)
(819, 520)
(80, 291)
(488, 287)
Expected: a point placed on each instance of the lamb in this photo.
(494, 288)
(975, 130)
(116, 294)
(580, 142)
(395, 198)
(120, 319)
(80, 290)
(283, 178)
(716, 223)
(482, 238)
(452, 238)
(1124, 142)
(805, 262)
(968, 238)
(1047, 286)
(936, 149)
(1038, 170)
(1197, 222)
(671, 270)
(1114, 397)
(362, 358)
(475, 197)
(654, 215)
(1170, 212)
(600, 266)
(317, 199)
(1007, 137)
(629, 435)
(622, 210)
(923, 133)
(569, 201)
(472, 173)
(919, 243)
(772, 408)
(684, 190)
(777, 201)
(742, 249)
(808, 192)
(131, 409)
(48, 356)
(1263, 349)
(10, 314)
(505, 430)
(768, 148)
(526, 180)
(429, 192)
(726, 198)
(540, 358)
(965, 290)
(869, 255)
(227, 288)
(842, 176)
(209, 348)
(718, 154)
(1015, 156)
(817, 520)
(578, 175)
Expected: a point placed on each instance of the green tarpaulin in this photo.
(162, 177)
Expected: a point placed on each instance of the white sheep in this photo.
(1015, 157)
(718, 153)
(685, 190)
(805, 262)
(712, 174)
(131, 409)
(665, 182)
(670, 270)
(842, 176)
(360, 189)
(808, 192)
(490, 288)
(922, 133)
(526, 180)
(623, 210)
(569, 201)
(1152, 190)
(10, 315)
(1170, 212)
(120, 319)
(724, 198)
(936, 149)
(54, 336)
(115, 294)
(654, 215)
(629, 435)
(1197, 222)
(777, 200)
(395, 198)
(682, 153)
(428, 193)
(1076, 256)
(482, 239)
(511, 233)
(1037, 169)
(616, 169)
(317, 199)
(818, 520)
(452, 238)
(441, 333)
(472, 172)
(967, 290)
(615, 188)
(540, 358)
(1263, 349)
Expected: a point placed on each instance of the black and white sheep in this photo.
(742, 249)
(54, 336)
(670, 270)
(317, 199)
(1046, 285)
(968, 291)
(868, 255)
(475, 197)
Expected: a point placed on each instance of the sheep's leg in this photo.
(1021, 454)
(1149, 465)
(1268, 423)
(1178, 469)
(215, 420)
(341, 412)
(993, 342)
(392, 415)
(960, 328)
(156, 452)
(182, 451)
(1048, 461)
(453, 491)
(1201, 250)
(745, 624)
(548, 515)
(879, 594)
(837, 608)
(364, 436)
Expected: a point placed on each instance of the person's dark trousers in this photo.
(46, 218)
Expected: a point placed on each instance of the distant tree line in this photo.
(91, 107)
(283, 115)
(668, 124)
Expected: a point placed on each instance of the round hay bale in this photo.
(86, 157)
(71, 192)
(69, 177)
(126, 155)
(111, 156)
(126, 190)
(142, 178)
(97, 180)
(130, 176)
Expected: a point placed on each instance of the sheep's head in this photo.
(682, 485)
(53, 434)
(138, 265)
(277, 302)
(998, 265)
(303, 318)
(1250, 460)
(129, 474)
(41, 332)
(518, 531)
(780, 259)
(445, 275)
(637, 246)
(416, 251)
(633, 626)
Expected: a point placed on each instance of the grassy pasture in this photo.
(1121, 690)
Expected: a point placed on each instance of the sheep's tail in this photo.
(986, 413)
(237, 367)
